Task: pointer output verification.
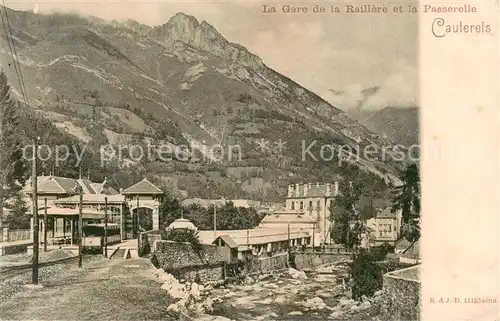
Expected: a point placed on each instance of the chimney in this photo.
(290, 190)
(336, 189)
(328, 189)
(306, 189)
(297, 186)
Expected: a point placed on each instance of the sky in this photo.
(320, 51)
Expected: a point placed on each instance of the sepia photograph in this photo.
(210, 160)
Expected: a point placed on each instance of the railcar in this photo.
(93, 236)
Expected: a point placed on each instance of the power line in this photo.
(9, 38)
(15, 53)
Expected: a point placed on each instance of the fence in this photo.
(14, 235)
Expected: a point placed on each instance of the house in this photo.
(227, 241)
(293, 219)
(314, 200)
(260, 241)
(385, 226)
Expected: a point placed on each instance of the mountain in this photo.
(181, 85)
(400, 125)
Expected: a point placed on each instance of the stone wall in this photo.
(185, 262)
(144, 247)
(309, 260)
(401, 299)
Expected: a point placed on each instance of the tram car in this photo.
(93, 236)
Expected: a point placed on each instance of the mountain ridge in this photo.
(179, 83)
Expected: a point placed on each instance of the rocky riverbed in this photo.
(321, 294)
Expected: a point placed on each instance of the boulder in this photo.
(249, 280)
(315, 303)
(295, 313)
(346, 302)
(377, 293)
(365, 305)
(295, 274)
(336, 314)
(195, 290)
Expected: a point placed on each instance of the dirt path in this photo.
(102, 290)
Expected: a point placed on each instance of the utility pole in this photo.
(45, 228)
(314, 232)
(106, 227)
(80, 229)
(34, 182)
(288, 244)
(215, 220)
(137, 214)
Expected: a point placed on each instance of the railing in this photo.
(15, 235)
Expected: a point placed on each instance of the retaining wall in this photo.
(401, 298)
(185, 262)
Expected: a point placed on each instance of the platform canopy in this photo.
(91, 199)
(87, 213)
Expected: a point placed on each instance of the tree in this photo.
(345, 209)
(18, 217)
(12, 164)
(407, 199)
(170, 210)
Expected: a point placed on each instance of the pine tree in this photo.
(407, 195)
(407, 199)
(12, 164)
(18, 217)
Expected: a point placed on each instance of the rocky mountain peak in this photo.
(203, 36)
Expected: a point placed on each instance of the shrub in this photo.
(182, 235)
(367, 272)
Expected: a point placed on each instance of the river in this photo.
(291, 295)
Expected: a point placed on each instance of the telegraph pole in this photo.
(288, 244)
(137, 214)
(106, 227)
(215, 220)
(80, 229)
(34, 182)
(45, 228)
(314, 232)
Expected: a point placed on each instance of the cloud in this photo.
(398, 89)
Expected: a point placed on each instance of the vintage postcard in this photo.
(249, 160)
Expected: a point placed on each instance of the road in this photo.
(102, 290)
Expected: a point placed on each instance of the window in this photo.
(318, 205)
(301, 205)
(293, 205)
(310, 205)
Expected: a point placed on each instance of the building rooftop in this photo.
(228, 240)
(64, 185)
(181, 223)
(91, 199)
(261, 235)
(386, 213)
(143, 187)
(311, 190)
(288, 217)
